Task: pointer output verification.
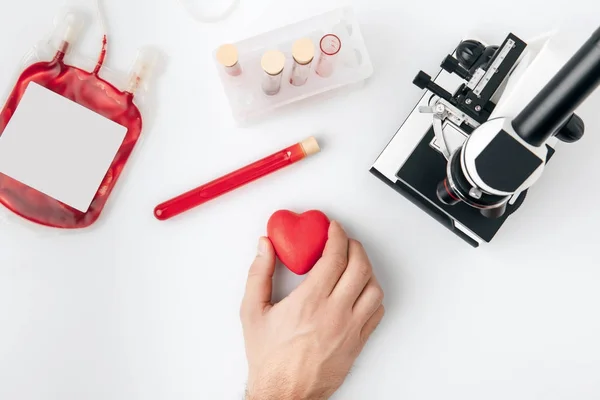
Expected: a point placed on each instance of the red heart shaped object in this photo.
(298, 239)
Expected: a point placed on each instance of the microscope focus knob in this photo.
(468, 52)
(422, 80)
(572, 131)
(452, 65)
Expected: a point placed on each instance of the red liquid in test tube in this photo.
(236, 179)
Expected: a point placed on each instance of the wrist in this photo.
(281, 393)
(265, 395)
(279, 390)
(269, 393)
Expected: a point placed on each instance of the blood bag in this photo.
(66, 134)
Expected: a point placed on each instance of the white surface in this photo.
(138, 309)
(210, 10)
(59, 147)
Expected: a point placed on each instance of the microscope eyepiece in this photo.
(557, 101)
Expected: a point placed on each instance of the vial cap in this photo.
(227, 55)
(310, 146)
(303, 51)
(273, 62)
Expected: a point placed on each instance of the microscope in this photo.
(471, 149)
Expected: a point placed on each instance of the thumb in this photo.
(259, 287)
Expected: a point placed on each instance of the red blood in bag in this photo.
(299, 240)
(94, 93)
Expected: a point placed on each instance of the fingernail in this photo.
(262, 247)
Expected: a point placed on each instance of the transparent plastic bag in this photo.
(55, 66)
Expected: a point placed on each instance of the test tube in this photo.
(227, 56)
(330, 48)
(237, 179)
(303, 52)
(273, 63)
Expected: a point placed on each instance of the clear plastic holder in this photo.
(68, 26)
(352, 64)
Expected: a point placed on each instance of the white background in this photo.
(138, 309)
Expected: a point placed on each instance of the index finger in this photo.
(330, 268)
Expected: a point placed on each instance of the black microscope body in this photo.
(464, 164)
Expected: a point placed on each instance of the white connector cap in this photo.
(68, 28)
(143, 68)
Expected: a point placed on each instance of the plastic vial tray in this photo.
(353, 64)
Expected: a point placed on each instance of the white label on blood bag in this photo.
(59, 147)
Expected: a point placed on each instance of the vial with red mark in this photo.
(330, 47)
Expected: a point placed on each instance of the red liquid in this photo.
(90, 91)
(229, 182)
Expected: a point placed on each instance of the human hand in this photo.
(303, 347)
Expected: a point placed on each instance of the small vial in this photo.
(303, 52)
(227, 56)
(330, 48)
(273, 63)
